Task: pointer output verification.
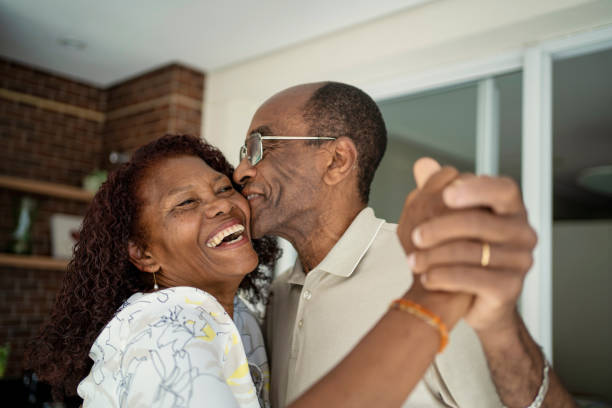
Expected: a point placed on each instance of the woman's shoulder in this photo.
(161, 340)
(187, 311)
(171, 320)
(244, 313)
(182, 297)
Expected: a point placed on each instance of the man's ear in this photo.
(142, 259)
(343, 160)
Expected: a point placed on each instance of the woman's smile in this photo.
(192, 209)
(228, 235)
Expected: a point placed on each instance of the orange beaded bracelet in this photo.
(426, 315)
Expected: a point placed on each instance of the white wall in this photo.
(419, 40)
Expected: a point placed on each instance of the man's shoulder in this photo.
(386, 246)
(377, 239)
(384, 263)
(388, 228)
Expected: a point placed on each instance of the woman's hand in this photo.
(421, 205)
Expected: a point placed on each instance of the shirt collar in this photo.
(297, 275)
(346, 254)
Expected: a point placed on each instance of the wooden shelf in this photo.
(45, 188)
(33, 261)
(48, 189)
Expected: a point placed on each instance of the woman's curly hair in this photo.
(100, 276)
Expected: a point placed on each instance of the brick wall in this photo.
(167, 100)
(58, 130)
(46, 144)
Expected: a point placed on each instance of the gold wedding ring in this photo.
(486, 254)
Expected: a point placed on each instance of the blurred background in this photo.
(518, 88)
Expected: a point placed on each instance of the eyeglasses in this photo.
(253, 148)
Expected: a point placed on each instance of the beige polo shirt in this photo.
(314, 320)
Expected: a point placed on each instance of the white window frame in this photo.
(536, 65)
(536, 300)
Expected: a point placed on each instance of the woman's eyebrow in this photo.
(177, 190)
(220, 177)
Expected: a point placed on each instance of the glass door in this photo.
(474, 126)
(582, 223)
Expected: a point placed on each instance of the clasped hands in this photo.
(469, 244)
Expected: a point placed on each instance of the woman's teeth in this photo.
(235, 230)
(235, 240)
(252, 196)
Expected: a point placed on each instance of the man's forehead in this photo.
(265, 122)
(262, 130)
(277, 122)
(283, 111)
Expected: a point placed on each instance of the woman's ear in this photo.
(142, 259)
(342, 162)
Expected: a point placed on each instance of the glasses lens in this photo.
(243, 152)
(253, 146)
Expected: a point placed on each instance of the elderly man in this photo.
(306, 167)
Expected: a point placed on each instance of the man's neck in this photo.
(313, 244)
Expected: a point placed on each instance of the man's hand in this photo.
(467, 233)
(484, 249)
(447, 248)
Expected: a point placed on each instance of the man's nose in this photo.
(244, 172)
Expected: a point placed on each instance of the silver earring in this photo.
(155, 287)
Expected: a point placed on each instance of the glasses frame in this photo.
(253, 161)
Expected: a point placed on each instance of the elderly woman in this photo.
(150, 297)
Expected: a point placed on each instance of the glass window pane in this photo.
(510, 88)
(439, 124)
(582, 226)
(442, 124)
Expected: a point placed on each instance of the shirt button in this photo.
(300, 323)
(307, 295)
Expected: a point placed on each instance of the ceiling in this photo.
(442, 123)
(104, 42)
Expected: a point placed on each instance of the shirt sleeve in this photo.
(462, 374)
(173, 356)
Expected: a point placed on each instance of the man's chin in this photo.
(256, 230)
(259, 229)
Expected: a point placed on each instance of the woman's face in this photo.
(196, 225)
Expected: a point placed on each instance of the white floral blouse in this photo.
(177, 348)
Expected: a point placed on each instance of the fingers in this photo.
(469, 253)
(423, 204)
(501, 194)
(477, 225)
(440, 179)
(498, 287)
(423, 169)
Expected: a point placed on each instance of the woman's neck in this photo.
(228, 305)
(224, 294)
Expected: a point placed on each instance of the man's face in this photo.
(282, 187)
